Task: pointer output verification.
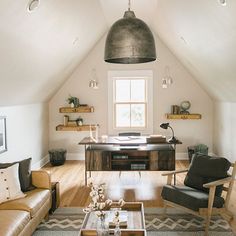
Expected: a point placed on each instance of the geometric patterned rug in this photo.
(67, 222)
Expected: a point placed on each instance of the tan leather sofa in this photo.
(21, 217)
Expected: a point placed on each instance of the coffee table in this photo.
(135, 221)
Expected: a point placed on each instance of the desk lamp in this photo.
(166, 126)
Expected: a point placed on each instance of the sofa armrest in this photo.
(41, 179)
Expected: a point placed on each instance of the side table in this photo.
(55, 192)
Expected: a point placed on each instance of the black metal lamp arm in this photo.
(173, 134)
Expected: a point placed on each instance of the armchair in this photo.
(201, 193)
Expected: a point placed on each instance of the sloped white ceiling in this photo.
(38, 50)
(202, 34)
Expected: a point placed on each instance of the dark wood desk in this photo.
(118, 153)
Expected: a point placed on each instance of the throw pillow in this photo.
(10, 184)
(204, 169)
(24, 173)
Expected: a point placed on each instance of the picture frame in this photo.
(3, 134)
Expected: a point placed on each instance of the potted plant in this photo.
(73, 101)
(79, 121)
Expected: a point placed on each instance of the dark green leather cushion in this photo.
(189, 197)
(24, 173)
(204, 169)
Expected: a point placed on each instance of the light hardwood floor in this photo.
(128, 186)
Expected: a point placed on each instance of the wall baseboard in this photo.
(40, 163)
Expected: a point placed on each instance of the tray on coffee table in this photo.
(135, 221)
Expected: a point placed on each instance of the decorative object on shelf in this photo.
(129, 41)
(73, 101)
(94, 139)
(79, 121)
(57, 156)
(66, 119)
(166, 126)
(185, 105)
(167, 79)
(174, 109)
(99, 205)
(93, 83)
(3, 134)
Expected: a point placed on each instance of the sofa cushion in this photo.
(13, 222)
(33, 201)
(204, 169)
(189, 197)
(24, 173)
(9, 184)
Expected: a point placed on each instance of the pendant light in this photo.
(130, 41)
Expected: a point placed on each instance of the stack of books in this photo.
(156, 138)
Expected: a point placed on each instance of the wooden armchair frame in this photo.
(206, 213)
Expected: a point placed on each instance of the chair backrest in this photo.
(204, 169)
(130, 134)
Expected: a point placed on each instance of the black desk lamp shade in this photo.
(166, 126)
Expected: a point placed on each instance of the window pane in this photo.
(138, 90)
(122, 115)
(138, 115)
(122, 90)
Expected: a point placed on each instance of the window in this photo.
(130, 101)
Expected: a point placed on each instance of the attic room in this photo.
(62, 100)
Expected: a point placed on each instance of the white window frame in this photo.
(130, 74)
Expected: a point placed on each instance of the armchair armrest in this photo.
(170, 174)
(217, 182)
(41, 179)
(174, 172)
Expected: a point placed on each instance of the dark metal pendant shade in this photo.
(130, 41)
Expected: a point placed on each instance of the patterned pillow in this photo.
(10, 184)
(24, 173)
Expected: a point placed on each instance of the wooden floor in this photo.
(129, 186)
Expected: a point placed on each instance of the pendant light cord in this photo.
(129, 5)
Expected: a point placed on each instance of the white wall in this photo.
(225, 129)
(184, 87)
(27, 133)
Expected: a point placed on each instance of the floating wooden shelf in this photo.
(184, 116)
(81, 109)
(75, 128)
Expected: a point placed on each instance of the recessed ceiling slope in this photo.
(202, 34)
(39, 49)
